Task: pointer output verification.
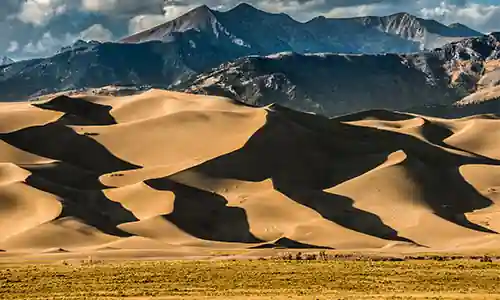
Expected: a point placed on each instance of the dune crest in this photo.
(166, 170)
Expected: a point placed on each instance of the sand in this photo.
(188, 174)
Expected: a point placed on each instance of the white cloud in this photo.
(48, 43)
(99, 5)
(13, 46)
(143, 22)
(172, 11)
(39, 12)
(483, 17)
(124, 7)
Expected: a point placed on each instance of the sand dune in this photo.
(164, 170)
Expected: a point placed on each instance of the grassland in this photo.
(255, 279)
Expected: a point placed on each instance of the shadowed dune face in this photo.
(76, 107)
(205, 215)
(164, 170)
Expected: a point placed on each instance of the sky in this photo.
(34, 28)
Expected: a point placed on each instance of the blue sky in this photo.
(31, 28)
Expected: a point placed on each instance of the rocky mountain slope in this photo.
(335, 84)
(328, 84)
(249, 30)
(93, 64)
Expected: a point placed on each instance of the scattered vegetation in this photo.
(91, 134)
(295, 276)
(325, 256)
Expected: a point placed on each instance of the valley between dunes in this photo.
(184, 173)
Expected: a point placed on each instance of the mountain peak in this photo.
(200, 9)
(79, 44)
(193, 19)
(4, 60)
(456, 25)
(464, 30)
(246, 9)
(199, 14)
(244, 5)
(402, 15)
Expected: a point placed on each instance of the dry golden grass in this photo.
(257, 279)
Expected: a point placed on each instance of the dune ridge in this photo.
(166, 170)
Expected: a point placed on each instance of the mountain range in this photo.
(432, 82)
(248, 30)
(328, 66)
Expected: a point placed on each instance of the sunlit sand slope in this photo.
(164, 170)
